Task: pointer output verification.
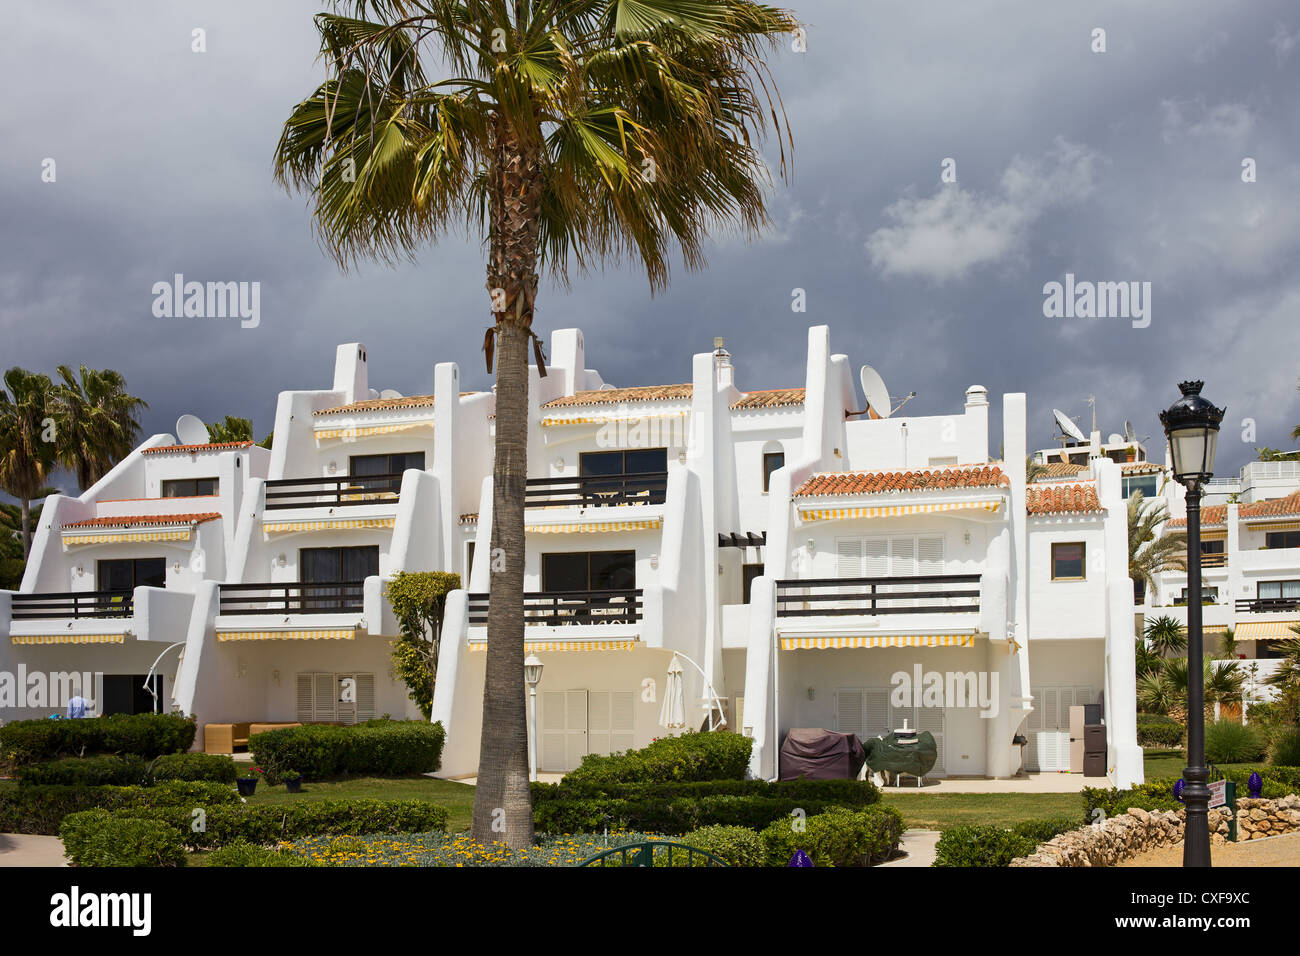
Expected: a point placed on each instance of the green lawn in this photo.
(456, 797)
(935, 811)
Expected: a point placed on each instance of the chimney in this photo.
(725, 372)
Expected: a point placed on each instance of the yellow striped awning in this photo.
(535, 647)
(1219, 535)
(594, 526)
(362, 431)
(117, 537)
(1262, 524)
(333, 634)
(69, 638)
(611, 419)
(327, 524)
(1265, 631)
(877, 640)
(894, 511)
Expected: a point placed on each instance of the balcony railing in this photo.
(918, 594)
(594, 491)
(1267, 605)
(292, 597)
(334, 492)
(1215, 560)
(72, 604)
(556, 608)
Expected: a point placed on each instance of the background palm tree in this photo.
(1148, 554)
(569, 133)
(1034, 468)
(27, 442)
(97, 421)
(12, 562)
(1165, 636)
(234, 428)
(1165, 691)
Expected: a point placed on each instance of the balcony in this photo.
(869, 597)
(292, 597)
(1266, 605)
(331, 492)
(569, 608)
(72, 605)
(597, 491)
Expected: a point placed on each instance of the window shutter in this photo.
(848, 554)
(875, 560)
(929, 554)
(598, 722)
(553, 734)
(623, 720)
(365, 697)
(877, 712)
(345, 711)
(305, 712)
(848, 712)
(902, 556)
(932, 719)
(575, 720)
(1036, 715)
(326, 693)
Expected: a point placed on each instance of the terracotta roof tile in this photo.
(612, 396)
(195, 449)
(1273, 508)
(1062, 499)
(1211, 515)
(770, 398)
(122, 521)
(380, 405)
(1142, 467)
(869, 483)
(1056, 470)
(469, 519)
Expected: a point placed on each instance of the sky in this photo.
(951, 160)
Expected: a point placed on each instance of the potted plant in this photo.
(247, 781)
(292, 780)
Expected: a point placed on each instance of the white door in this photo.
(609, 721)
(564, 730)
(1049, 726)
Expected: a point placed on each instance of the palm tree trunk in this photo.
(27, 527)
(503, 803)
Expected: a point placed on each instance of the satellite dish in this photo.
(1114, 439)
(873, 389)
(390, 393)
(1067, 426)
(191, 430)
(374, 393)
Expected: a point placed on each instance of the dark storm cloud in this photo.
(1114, 166)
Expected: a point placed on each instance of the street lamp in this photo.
(1192, 427)
(532, 677)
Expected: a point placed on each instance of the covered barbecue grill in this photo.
(820, 755)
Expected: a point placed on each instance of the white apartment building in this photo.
(797, 553)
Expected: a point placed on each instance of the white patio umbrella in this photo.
(672, 715)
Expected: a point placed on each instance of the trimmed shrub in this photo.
(1227, 741)
(1157, 730)
(243, 853)
(719, 755)
(381, 747)
(145, 735)
(1156, 795)
(738, 846)
(836, 837)
(217, 768)
(681, 808)
(41, 809)
(1285, 749)
(100, 838)
(981, 845)
(86, 772)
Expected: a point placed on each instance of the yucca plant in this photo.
(1165, 636)
(563, 133)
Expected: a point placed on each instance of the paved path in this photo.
(26, 849)
(1270, 851)
(1032, 783)
(919, 846)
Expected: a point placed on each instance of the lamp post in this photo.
(1192, 427)
(532, 677)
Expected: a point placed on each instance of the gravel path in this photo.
(1271, 851)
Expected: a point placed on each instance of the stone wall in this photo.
(1123, 837)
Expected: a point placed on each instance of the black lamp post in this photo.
(1192, 427)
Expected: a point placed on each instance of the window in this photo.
(772, 460)
(747, 574)
(1207, 594)
(589, 571)
(127, 574)
(1067, 561)
(362, 465)
(1282, 539)
(1139, 591)
(1149, 485)
(638, 461)
(1213, 547)
(344, 698)
(127, 694)
(469, 563)
(346, 567)
(189, 487)
(1277, 589)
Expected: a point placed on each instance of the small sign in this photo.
(1219, 793)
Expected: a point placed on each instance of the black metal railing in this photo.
(334, 492)
(74, 604)
(616, 606)
(918, 594)
(292, 597)
(649, 488)
(1267, 605)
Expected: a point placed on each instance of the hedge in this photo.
(243, 853)
(1157, 730)
(1159, 794)
(126, 771)
(319, 751)
(718, 755)
(987, 845)
(736, 846)
(217, 768)
(848, 793)
(685, 807)
(100, 838)
(41, 809)
(836, 837)
(145, 735)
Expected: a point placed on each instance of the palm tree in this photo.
(1295, 432)
(569, 133)
(27, 442)
(232, 428)
(1166, 690)
(1033, 469)
(12, 563)
(97, 421)
(1148, 555)
(1146, 661)
(1165, 636)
